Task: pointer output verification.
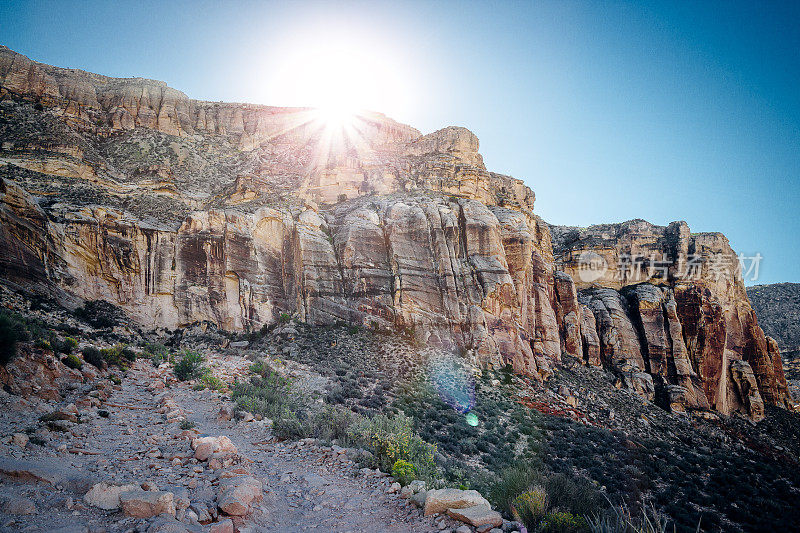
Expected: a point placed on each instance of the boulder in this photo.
(477, 516)
(106, 495)
(235, 494)
(223, 526)
(145, 504)
(440, 500)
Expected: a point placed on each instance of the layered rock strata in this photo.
(181, 211)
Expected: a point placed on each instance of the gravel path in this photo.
(306, 487)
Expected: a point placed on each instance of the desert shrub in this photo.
(513, 481)
(404, 472)
(115, 379)
(190, 366)
(331, 423)
(43, 344)
(16, 328)
(102, 413)
(575, 495)
(69, 345)
(530, 507)
(563, 522)
(393, 438)
(270, 394)
(9, 336)
(128, 354)
(289, 426)
(99, 314)
(158, 353)
(212, 382)
(93, 356)
(259, 367)
(284, 318)
(619, 519)
(187, 424)
(72, 361)
(113, 355)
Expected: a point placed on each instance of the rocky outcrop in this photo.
(179, 211)
(682, 313)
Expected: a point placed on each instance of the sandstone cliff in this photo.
(181, 211)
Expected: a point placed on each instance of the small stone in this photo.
(418, 499)
(19, 439)
(245, 416)
(19, 506)
(223, 526)
(393, 488)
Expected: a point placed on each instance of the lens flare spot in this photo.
(453, 382)
(472, 419)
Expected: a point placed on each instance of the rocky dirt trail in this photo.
(306, 487)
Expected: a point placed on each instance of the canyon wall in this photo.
(180, 211)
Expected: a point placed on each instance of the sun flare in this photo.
(340, 117)
(341, 73)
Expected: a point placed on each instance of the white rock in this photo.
(106, 495)
(440, 500)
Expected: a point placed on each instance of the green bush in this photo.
(15, 328)
(289, 426)
(268, 394)
(284, 318)
(118, 355)
(93, 356)
(332, 422)
(563, 522)
(158, 353)
(69, 345)
(213, 382)
(258, 367)
(576, 495)
(404, 472)
(73, 362)
(187, 424)
(393, 438)
(43, 344)
(513, 481)
(9, 336)
(128, 354)
(530, 507)
(190, 366)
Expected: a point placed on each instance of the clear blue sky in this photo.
(608, 110)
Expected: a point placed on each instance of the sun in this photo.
(338, 117)
(340, 72)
